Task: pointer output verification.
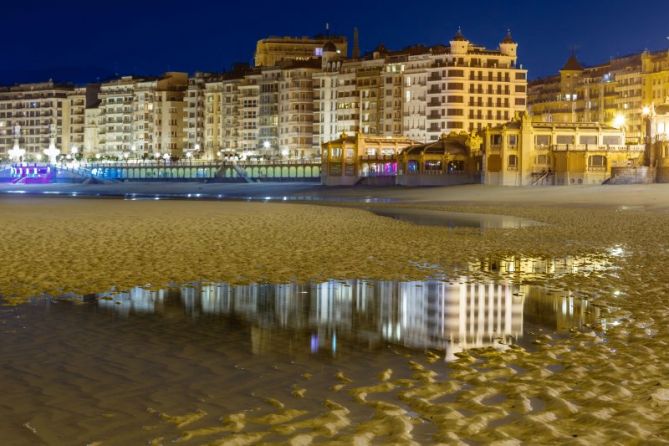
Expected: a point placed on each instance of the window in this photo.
(454, 125)
(456, 73)
(520, 76)
(432, 165)
(456, 99)
(455, 112)
(597, 162)
(611, 140)
(496, 140)
(520, 88)
(513, 162)
(520, 101)
(455, 86)
(542, 140)
(588, 139)
(513, 141)
(565, 139)
(541, 159)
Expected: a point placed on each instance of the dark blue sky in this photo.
(81, 40)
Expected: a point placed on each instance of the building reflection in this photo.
(448, 315)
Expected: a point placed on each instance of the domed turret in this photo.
(459, 43)
(330, 56)
(329, 47)
(572, 64)
(508, 46)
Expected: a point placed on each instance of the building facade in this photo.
(302, 94)
(274, 50)
(523, 153)
(142, 117)
(33, 116)
(615, 93)
(420, 92)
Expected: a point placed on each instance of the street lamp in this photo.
(16, 153)
(52, 152)
(619, 121)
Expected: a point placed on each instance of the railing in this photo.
(596, 148)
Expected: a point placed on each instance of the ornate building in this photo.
(614, 93)
(523, 152)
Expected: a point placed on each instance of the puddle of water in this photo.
(319, 318)
(101, 361)
(454, 219)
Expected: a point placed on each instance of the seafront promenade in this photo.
(649, 196)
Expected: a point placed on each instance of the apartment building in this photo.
(193, 121)
(142, 116)
(296, 108)
(32, 116)
(613, 93)
(420, 92)
(272, 51)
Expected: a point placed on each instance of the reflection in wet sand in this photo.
(190, 354)
(446, 315)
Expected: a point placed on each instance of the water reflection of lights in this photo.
(617, 251)
(447, 316)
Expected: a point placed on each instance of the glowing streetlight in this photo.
(619, 121)
(189, 155)
(74, 150)
(16, 153)
(266, 145)
(98, 156)
(645, 111)
(52, 152)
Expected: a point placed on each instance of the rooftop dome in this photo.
(329, 47)
(459, 37)
(572, 64)
(508, 38)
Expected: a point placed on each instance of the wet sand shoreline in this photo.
(606, 383)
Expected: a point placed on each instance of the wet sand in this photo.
(604, 384)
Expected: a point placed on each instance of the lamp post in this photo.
(52, 152)
(16, 153)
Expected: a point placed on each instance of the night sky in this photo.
(83, 40)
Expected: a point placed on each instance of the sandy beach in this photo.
(606, 384)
